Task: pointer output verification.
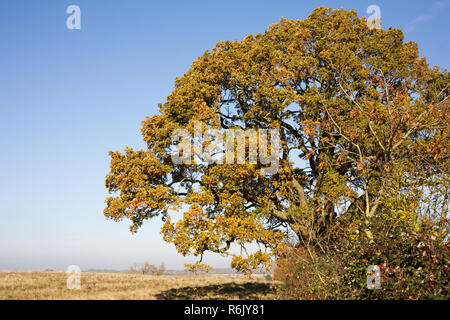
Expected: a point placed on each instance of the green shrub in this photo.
(413, 258)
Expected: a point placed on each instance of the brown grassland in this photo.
(49, 285)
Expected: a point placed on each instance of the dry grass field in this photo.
(45, 285)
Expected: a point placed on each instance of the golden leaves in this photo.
(339, 94)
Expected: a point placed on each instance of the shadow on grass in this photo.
(248, 290)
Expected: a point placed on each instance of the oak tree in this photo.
(363, 127)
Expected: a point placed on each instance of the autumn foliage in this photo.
(363, 124)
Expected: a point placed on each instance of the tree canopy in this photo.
(363, 127)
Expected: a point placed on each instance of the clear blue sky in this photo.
(69, 96)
